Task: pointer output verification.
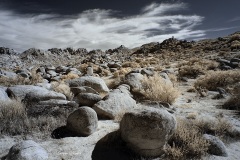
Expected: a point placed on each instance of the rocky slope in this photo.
(167, 100)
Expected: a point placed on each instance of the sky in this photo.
(95, 24)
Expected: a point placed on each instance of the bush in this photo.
(15, 120)
(187, 142)
(195, 67)
(156, 88)
(212, 80)
(221, 127)
(234, 102)
(62, 88)
(19, 80)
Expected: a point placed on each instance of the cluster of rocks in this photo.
(52, 73)
(229, 64)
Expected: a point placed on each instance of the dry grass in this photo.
(63, 88)
(192, 115)
(221, 127)
(212, 79)
(187, 142)
(155, 88)
(130, 64)
(114, 81)
(69, 76)
(234, 102)
(19, 80)
(195, 67)
(15, 120)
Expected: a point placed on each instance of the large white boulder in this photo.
(146, 132)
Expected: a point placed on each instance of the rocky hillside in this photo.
(170, 100)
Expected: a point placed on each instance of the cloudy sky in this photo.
(95, 24)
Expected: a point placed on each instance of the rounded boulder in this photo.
(146, 132)
(83, 121)
(27, 150)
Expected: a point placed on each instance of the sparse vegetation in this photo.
(63, 88)
(155, 88)
(214, 79)
(187, 142)
(195, 67)
(19, 80)
(234, 102)
(15, 120)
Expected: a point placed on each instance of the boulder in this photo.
(33, 93)
(3, 95)
(7, 74)
(147, 72)
(53, 107)
(114, 104)
(83, 89)
(146, 132)
(216, 147)
(87, 99)
(27, 150)
(96, 83)
(134, 80)
(83, 121)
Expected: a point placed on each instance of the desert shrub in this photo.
(130, 64)
(195, 67)
(234, 102)
(19, 80)
(190, 71)
(187, 142)
(220, 127)
(63, 88)
(214, 79)
(69, 76)
(156, 88)
(114, 81)
(14, 119)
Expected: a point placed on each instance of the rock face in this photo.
(146, 132)
(27, 150)
(216, 147)
(96, 83)
(114, 103)
(33, 92)
(83, 121)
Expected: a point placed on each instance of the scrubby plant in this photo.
(155, 88)
(19, 80)
(69, 76)
(234, 102)
(63, 88)
(130, 64)
(214, 79)
(14, 119)
(187, 142)
(195, 67)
